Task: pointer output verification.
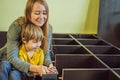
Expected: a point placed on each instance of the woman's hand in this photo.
(40, 69)
(52, 69)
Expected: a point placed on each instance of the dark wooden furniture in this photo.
(82, 56)
(85, 57)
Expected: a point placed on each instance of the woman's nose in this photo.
(41, 16)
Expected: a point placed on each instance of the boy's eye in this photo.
(34, 41)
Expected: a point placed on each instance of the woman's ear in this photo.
(24, 40)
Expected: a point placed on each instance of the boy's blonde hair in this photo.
(30, 31)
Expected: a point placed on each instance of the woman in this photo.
(36, 12)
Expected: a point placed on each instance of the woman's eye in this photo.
(44, 12)
(37, 13)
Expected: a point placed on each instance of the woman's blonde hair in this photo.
(45, 27)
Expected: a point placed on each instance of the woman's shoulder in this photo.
(17, 24)
(20, 21)
(50, 27)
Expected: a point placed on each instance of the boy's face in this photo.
(32, 45)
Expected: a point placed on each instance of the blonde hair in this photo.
(30, 31)
(28, 11)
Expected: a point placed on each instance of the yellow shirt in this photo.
(36, 59)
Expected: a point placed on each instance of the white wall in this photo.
(66, 16)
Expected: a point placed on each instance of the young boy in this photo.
(29, 50)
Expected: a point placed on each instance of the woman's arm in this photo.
(48, 60)
(13, 42)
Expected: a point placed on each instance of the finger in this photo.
(43, 70)
(46, 69)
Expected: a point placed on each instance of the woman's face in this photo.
(38, 14)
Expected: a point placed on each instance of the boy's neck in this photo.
(30, 53)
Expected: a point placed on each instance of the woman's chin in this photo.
(38, 24)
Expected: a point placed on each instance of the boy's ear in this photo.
(23, 40)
